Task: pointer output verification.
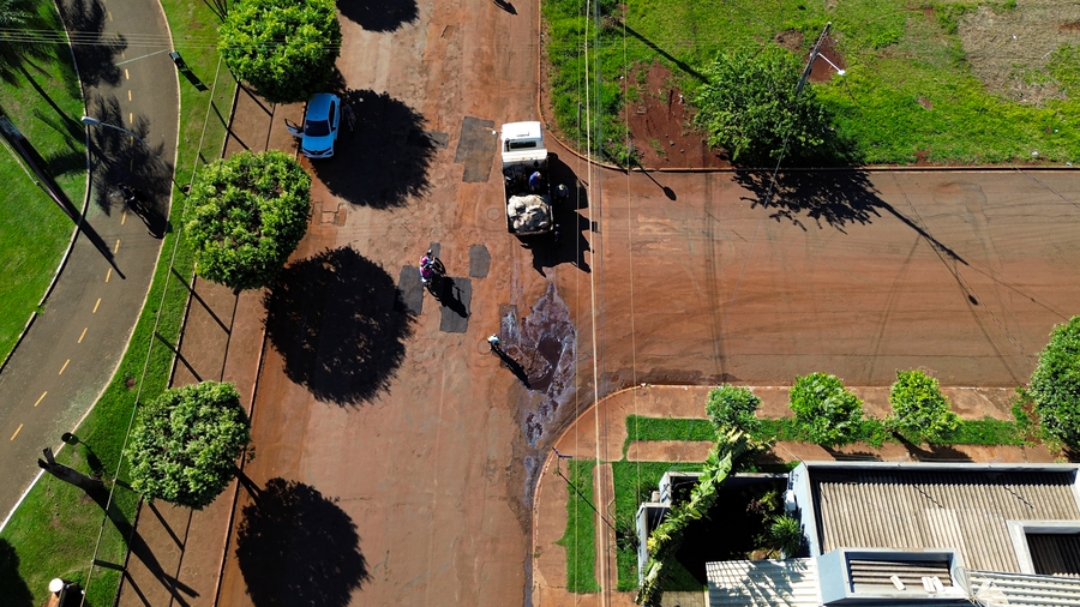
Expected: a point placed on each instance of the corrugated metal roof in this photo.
(790, 583)
(995, 589)
(964, 510)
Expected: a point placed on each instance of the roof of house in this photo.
(996, 589)
(964, 508)
(790, 583)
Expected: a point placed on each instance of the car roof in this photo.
(320, 104)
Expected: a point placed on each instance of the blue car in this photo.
(321, 124)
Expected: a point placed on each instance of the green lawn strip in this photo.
(34, 232)
(986, 431)
(634, 483)
(641, 428)
(579, 539)
(56, 529)
(908, 86)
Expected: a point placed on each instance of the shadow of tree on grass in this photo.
(297, 547)
(383, 159)
(16, 592)
(340, 323)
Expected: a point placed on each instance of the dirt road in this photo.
(396, 455)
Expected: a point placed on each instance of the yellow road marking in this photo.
(108, 275)
(127, 76)
(96, 305)
(129, 94)
(83, 335)
(110, 15)
(64, 367)
(16, 432)
(123, 217)
(117, 247)
(40, 398)
(131, 117)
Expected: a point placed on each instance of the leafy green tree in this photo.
(733, 407)
(184, 445)
(1055, 384)
(246, 215)
(829, 412)
(285, 49)
(920, 410)
(749, 105)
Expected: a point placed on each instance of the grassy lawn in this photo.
(579, 539)
(921, 80)
(34, 232)
(56, 515)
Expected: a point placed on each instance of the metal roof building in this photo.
(923, 535)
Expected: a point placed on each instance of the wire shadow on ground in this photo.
(383, 159)
(379, 15)
(340, 324)
(297, 547)
(836, 199)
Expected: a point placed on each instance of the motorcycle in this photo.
(431, 270)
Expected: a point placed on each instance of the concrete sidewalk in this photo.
(222, 340)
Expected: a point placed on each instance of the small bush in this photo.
(830, 413)
(733, 407)
(920, 411)
(1055, 384)
(786, 535)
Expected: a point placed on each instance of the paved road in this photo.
(71, 351)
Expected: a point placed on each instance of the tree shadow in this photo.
(383, 160)
(837, 199)
(21, 49)
(94, 50)
(568, 244)
(297, 547)
(379, 15)
(932, 452)
(340, 324)
(16, 592)
(120, 159)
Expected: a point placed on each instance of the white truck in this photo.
(525, 179)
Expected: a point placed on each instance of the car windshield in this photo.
(317, 128)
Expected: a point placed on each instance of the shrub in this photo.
(920, 411)
(831, 414)
(1055, 384)
(732, 407)
(750, 104)
(246, 215)
(786, 535)
(285, 49)
(184, 445)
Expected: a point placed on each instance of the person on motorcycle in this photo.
(427, 268)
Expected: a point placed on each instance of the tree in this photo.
(749, 104)
(829, 412)
(1055, 384)
(285, 49)
(920, 410)
(246, 215)
(733, 407)
(184, 445)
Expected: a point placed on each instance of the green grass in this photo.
(634, 483)
(640, 428)
(579, 539)
(34, 232)
(896, 56)
(54, 532)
